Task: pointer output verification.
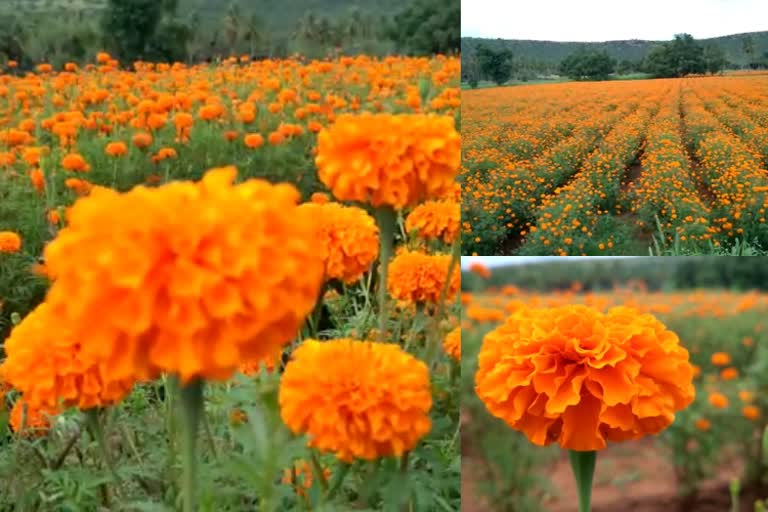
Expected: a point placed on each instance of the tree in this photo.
(428, 27)
(679, 57)
(714, 59)
(748, 45)
(129, 26)
(497, 65)
(590, 65)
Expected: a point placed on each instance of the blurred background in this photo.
(709, 459)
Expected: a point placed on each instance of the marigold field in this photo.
(230, 286)
(710, 456)
(672, 166)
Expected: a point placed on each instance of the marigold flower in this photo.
(435, 220)
(480, 269)
(579, 377)
(746, 396)
(729, 373)
(229, 282)
(721, 359)
(452, 344)
(703, 424)
(253, 140)
(348, 238)
(35, 421)
(75, 162)
(142, 140)
(37, 178)
(79, 187)
(356, 399)
(320, 198)
(301, 476)
(10, 242)
(47, 365)
(393, 160)
(116, 149)
(751, 412)
(718, 400)
(418, 278)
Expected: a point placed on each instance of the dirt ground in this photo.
(630, 477)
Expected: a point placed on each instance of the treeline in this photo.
(605, 273)
(164, 31)
(592, 61)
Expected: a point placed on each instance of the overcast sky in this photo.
(610, 20)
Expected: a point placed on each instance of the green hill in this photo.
(550, 53)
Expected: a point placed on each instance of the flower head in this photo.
(228, 282)
(435, 220)
(418, 277)
(47, 364)
(348, 238)
(452, 344)
(389, 160)
(356, 399)
(579, 377)
(75, 162)
(10, 242)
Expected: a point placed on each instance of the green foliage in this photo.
(497, 65)
(428, 27)
(129, 26)
(680, 57)
(588, 66)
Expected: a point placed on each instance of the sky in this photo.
(495, 261)
(610, 20)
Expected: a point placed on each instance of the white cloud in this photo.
(607, 20)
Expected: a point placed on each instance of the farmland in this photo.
(214, 295)
(692, 464)
(670, 166)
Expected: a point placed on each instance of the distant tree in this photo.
(588, 65)
(496, 65)
(748, 46)
(129, 26)
(679, 57)
(714, 59)
(428, 27)
(626, 66)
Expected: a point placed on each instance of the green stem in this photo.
(433, 343)
(191, 401)
(337, 480)
(317, 469)
(386, 218)
(583, 465)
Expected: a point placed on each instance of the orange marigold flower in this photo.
(142, 140)
(452, 344)
(34, 421)
(435, 220)
(37, 178)
(10, 242)
(746, 396)
(721, 359)
(348, 239)
(164, 154)
(729, 373)
(276, 138)
(417, 277)
(718, 400)
(116, 149)
(75, 162)
(103, 57)
(356, 399)
(46, 363)
(230, 135)
(703, 424)
(231, 280)
(79, 187)
(385, 159)
(301, 476)
(320, 198)
(579, 377)
(252, 368)
(751, 412)
(480, 269)
(253, 140)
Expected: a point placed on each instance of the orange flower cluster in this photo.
(230, 281)
(581, 378)
(10, 242)
(435, 220)
(356, 399)
(416, 277)
(452, 344)
(47, 365)
(389, 160)
(347, 237)
(301, 478)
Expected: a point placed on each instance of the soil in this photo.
(631, 477)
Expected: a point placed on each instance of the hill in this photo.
(550, 53)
